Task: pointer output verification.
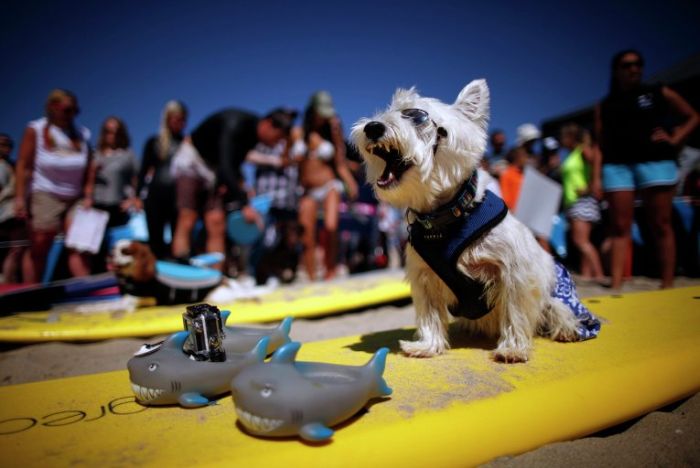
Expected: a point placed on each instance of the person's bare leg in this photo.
(658, 208)
(307, 218)
(186, 220)
(41, 242)
(331, 208)
(621, 217)
(79, 263)
(215, 225)
(28, 272)
(10, 265)
(590, 260)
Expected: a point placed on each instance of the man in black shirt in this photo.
(208, 176)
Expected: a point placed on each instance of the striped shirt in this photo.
(280, 182)
(59, 170)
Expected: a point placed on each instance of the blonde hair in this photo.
(165, 137)
(55, 96)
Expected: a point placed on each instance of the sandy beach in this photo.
(667, 437)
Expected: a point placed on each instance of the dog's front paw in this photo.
(510, 355)
(421, 348)
(565, 335)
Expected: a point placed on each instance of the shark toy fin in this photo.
(315, 432)
(286, 353)
(384, 389)
(378, 361)
(192, 400)
(286, 326)
(225, 314)
(377, 365)
(260, 349)
(177, 340)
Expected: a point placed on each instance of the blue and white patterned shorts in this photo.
(586, 208)
(565, 291)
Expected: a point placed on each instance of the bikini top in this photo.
(324, 151)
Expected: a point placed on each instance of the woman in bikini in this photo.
(325, 176)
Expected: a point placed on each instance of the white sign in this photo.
(538, 202)
(87, 229)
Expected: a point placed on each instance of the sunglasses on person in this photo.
(70, 110)
(630, 64)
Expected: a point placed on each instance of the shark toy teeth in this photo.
(285, 397)
(166, 373)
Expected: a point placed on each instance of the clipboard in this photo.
(87, 229)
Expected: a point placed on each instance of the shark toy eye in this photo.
(417, 116)
(266, 391)
(153, 366)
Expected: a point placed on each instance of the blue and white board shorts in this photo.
(586, 208)
(623, 177)
(565, 290)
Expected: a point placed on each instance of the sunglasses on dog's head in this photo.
(419, 117)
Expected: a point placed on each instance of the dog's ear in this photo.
(402, 95)
(473, 101)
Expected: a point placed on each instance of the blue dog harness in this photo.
(441, 236)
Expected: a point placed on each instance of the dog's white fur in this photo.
(518, 274)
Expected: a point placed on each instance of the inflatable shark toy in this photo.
(164, 374)
(285, 397)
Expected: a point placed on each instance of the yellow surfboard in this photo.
(301, 300)
(458, 409)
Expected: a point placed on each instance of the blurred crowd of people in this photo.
(318, 212)
(187, 184)
(630, 155)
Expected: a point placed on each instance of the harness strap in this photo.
(442, 251)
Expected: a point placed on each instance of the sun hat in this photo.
(527, 132)
(322, 103)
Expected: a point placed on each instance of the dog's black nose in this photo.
(374, 130)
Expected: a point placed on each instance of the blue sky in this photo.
(128, 58)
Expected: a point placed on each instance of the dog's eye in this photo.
(417, 116)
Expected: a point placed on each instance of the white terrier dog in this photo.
(423, 155)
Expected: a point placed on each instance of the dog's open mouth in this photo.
(396, 165)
